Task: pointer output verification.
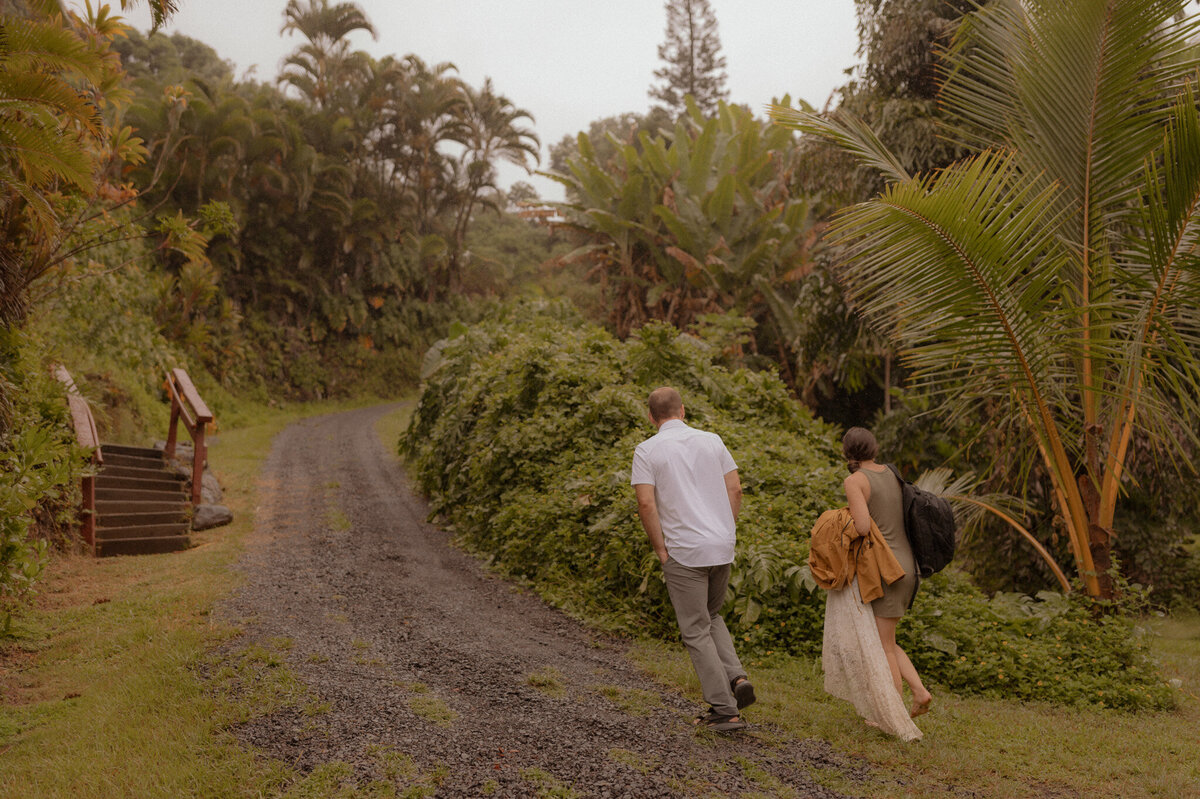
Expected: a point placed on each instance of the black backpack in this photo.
(929, 524)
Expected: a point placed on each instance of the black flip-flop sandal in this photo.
(743, 692)
(712, 720)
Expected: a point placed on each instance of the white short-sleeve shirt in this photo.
(687, 468)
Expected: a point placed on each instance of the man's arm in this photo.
(648, 513)
(733, 487)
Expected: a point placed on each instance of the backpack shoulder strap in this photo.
(906, 491)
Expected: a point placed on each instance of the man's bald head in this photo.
(665, 403)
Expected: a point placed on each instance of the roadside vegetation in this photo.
(990, 261)
(523, 437)
(103, 632)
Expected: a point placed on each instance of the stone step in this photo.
(110, 494)
(142, 531)
(116, 459)
(139, 472)
(179, 515)
(137, 452)
(142, 546)
(165, 483)
(171, 505)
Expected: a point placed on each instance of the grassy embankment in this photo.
(113, 690)
(989, 748)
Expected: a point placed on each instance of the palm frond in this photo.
(1077, 88)
(849, 133)
(957, 269)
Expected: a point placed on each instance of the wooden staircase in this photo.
(133, 502)
(141, 505)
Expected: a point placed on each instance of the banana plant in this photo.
(697, 221)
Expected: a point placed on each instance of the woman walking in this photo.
(873, 494)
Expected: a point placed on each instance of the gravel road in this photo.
(437, 676)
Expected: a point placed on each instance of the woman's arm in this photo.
(858, 491)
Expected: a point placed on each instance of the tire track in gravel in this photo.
(385, 616)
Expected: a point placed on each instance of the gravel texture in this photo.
(410, 647)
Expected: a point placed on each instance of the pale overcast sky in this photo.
(567, 62)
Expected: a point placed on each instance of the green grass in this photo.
(391, 425)
(641, 763)
(987, 748)
(432, 709)
(424, 704)
(547, 786)
(337, 520)
(548, 680)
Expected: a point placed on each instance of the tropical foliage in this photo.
(523, 437)
(40, 467)
(701, 222)
(64, 199)
(368, 171)
(895, 91)
(1052, 279)
(60, 158)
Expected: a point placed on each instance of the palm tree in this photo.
(1054, 275)
(325, 65)
(493, 131)
(160, 10)
(423, 112)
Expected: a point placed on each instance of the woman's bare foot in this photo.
(922, 707)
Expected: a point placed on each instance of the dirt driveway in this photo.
(437, 676)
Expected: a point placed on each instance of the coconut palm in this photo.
(1054, 276)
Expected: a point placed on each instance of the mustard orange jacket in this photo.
(838, 553)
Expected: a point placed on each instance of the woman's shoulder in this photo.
(856, 478)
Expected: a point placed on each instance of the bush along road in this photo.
(423, 670)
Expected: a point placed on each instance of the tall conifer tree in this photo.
(693, 63)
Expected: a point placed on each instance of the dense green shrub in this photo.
(1049, 647)
(529, 425)
(106, 336)
(523, 438)
(40, 468)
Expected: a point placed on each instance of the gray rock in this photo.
(210, 489)
(208, 515)
(183, 447)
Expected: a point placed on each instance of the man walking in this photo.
(689, 496)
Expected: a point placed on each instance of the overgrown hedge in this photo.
(40, 467)
(523, 438)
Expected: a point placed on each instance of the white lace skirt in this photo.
(856, 668)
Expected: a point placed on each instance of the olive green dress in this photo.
(886, 507)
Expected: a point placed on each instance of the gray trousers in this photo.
(697, 595)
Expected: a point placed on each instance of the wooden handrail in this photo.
(85, 434)
(186, 404)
